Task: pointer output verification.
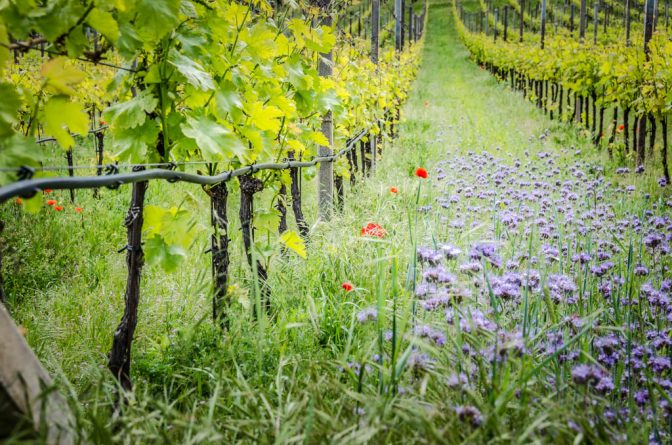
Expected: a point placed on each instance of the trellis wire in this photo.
(27, 187)
(52, 139)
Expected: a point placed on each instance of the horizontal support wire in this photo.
(94, 131)
(28, 187)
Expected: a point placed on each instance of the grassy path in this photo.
(458, 106)
(481, 360)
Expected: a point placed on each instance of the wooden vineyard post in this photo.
(627, 22)
(655, 15)
(375, 36)
(543, 22)
(219, 246)
(410, 24)
(398, 13)
(3, 297)
(521, 24)
(582, 21)
(120, 355)
(596, 21)
(506, 22)
(359, 23)
(648, 33)
(487, 21)
(403, 24)
(571, 18)
(26, 390)
(326, 170)
(555, 17)
(494, 33)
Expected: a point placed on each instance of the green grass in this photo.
(288, 381)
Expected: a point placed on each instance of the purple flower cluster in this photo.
(520, 233)
(368, 314)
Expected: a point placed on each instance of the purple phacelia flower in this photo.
(472, 267)
(660, 364)
(641, 270)
(641, 397)
(368, 314)
(428, 255)
(436, 336)
(451, 252)
(457, 380)
(605, 385)
(653, 240)
(469, 414)
(439, 274)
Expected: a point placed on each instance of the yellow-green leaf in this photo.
(60, 77)
(293, 241)
(318, 138)
(60, 117)
(265, 118)
(104, 23)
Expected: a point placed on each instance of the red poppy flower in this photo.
(79, 209)
(347, 286)
(47, 191)
(421, 173)
(373, 229)
(394, 190)
(58, 208)
(52, 202)
(102, 123)
(620, 128)
(18, 201)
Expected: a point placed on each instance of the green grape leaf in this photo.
(60, 117)
(170, 232)
(321, 39)
(104, 23)
(16, 151)
(132, 113)
(4, 52)
(155, 19)
(131, 144)
(227, 99)
(296, 146)
(265, 118)
(129, 40)
(318, 137)
(192, 71)
(158, 252)
(9, 108)
(216, 143)
(259, 41)
(59, 18)
(60, 77)
(77, 42)
(293, 241)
